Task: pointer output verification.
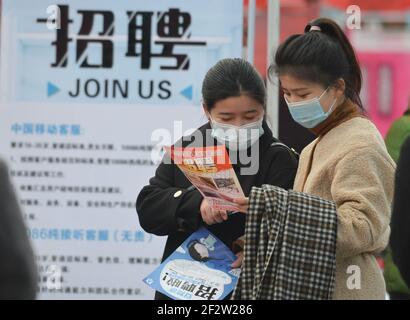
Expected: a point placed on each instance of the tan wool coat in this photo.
(350, 165)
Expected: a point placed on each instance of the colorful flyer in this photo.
(210, 170)
(199, 269)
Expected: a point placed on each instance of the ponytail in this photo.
(332, 29)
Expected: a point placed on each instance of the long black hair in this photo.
(232, 78)
(195, 254)
(321, 55)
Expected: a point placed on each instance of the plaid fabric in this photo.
(290, 246)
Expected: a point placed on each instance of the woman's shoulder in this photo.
(356, 136)
(355, 133)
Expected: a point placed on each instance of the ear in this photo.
(340, 87)
(206, 110)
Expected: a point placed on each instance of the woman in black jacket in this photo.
(234, 102)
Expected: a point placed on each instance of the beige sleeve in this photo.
(362, 189)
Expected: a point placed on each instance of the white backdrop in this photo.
(78, 106)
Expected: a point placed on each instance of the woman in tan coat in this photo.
(348, 162)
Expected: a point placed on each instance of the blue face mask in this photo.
(309, 113)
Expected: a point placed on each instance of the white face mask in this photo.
(237, 138)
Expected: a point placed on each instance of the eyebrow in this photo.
(296, 89)
(230, 113)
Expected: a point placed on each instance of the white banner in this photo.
(83, 86)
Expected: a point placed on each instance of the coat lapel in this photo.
(305, 165)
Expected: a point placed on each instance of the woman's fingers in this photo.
(243, 204)
(206, 213)
(218, 216)
(241, 201)
(211, 216)
(221, 216)
(238, 262)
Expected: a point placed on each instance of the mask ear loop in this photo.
(333, 104)
(320, 97)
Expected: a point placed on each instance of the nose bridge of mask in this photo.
(238, 138)
(237, 134)
(251, 124)
(235, 128)
(303, 102)
(252, 130)
(224, 130)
